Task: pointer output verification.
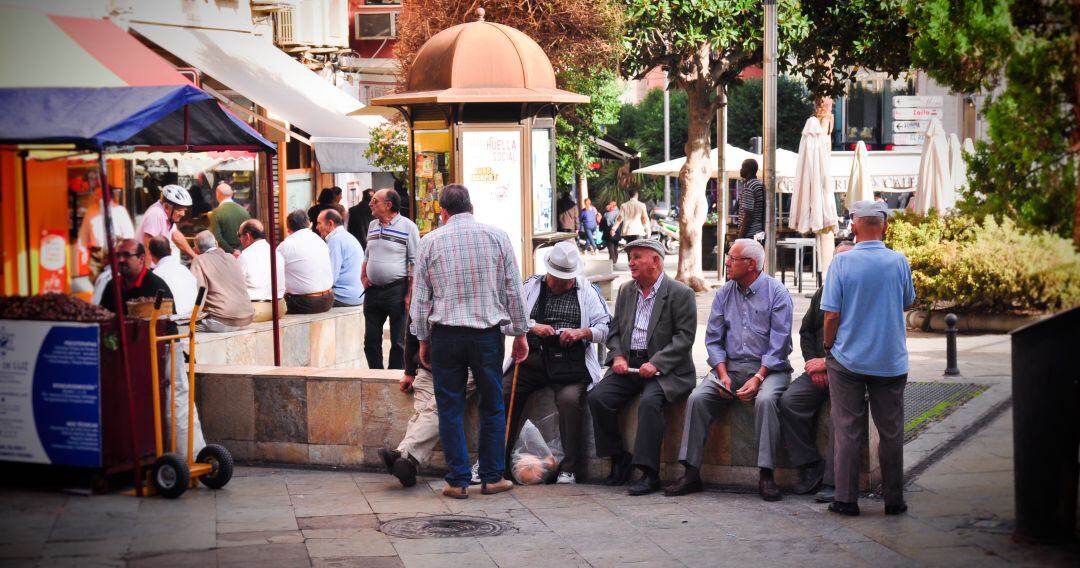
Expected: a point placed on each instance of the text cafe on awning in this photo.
(319, 145)
(480, 103)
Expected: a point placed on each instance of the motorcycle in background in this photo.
(665, 227)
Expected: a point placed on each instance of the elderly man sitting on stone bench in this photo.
(748, 339)
(649, 343)
(568, 315)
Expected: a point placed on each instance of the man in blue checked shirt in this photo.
(467, 286)
(748, 339)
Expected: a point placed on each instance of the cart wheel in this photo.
(222, 463)
(170, 475)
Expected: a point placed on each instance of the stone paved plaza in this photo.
(961, 515)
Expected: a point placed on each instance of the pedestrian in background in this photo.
(751, 203)
(866, 292)
(346, 260)
(567, 212)
(359, 218)
(387, 274)
(590, 219)
(329, 198)
(226, 302)
(467, 286)
(226, 218)
(308, 278)
(635, 220)
(609, 226)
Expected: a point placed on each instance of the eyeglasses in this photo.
(736, 258)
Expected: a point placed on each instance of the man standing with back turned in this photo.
(866, 292)
(467, 286)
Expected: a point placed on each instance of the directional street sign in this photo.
(910, 125)
(907, 139)
(915, 113)
(917, 102)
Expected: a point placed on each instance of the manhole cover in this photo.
(443, 526)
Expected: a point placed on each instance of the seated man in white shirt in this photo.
(176, 275)
(255, 260)
(308, 277)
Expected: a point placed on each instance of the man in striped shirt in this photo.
(751, 203)
(466, 285)
(392, 242)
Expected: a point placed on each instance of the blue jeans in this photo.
(454, 350)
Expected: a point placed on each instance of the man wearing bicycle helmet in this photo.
(162, 217)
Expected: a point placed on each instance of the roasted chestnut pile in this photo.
(51, 307)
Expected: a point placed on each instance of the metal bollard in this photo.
(951, 369)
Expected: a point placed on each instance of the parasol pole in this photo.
(271, 237)
(119, 303)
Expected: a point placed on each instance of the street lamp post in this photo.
(769, 130)
(667, 142)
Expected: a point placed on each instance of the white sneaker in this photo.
(566, 477)
(475, 474)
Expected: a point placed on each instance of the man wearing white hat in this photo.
(567, 315)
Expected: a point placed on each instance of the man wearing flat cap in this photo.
(649, 342)
(567, 318)
(866, 292)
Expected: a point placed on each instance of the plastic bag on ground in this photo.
(536, 459)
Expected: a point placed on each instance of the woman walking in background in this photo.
(590, 218)
(609, 226)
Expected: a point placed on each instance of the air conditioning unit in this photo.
(375, 25)
(283, 28)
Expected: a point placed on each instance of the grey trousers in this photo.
(799, 407)
(706, 402)
(605, 401)
(847, 391)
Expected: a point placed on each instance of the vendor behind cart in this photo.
(162, 217)
(136, 281)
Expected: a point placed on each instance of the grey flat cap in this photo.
(651, 244)
(869, 209)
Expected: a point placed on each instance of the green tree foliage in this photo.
(793, 105)
(389, 149)
(578, 127)
(837, 38)
(1024, 52)
(703, 45)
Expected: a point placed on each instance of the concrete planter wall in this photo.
(342, 417)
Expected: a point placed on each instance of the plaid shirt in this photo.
(562, 310)
(466, 275)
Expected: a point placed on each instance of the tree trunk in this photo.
(694, 177)
(1076, 131)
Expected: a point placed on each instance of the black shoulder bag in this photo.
(564, 365)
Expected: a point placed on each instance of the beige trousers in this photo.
(264, 311)
(422, 433)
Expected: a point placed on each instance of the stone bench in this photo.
(302, 415)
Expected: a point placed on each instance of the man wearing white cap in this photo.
(865, 295)
(567, 315)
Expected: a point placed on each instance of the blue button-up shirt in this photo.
(750, 325)
(346, 260)
(870, 286)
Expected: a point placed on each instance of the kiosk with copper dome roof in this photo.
(481, 103)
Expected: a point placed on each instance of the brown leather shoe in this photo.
(767, 487)
(455, 492)
(497, 487)
(684, 486)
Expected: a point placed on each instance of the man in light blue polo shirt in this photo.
(866, 293)
(346, 259)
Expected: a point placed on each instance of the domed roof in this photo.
(480, 62)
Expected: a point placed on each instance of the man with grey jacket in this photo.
(649, 342)
(567, 317)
